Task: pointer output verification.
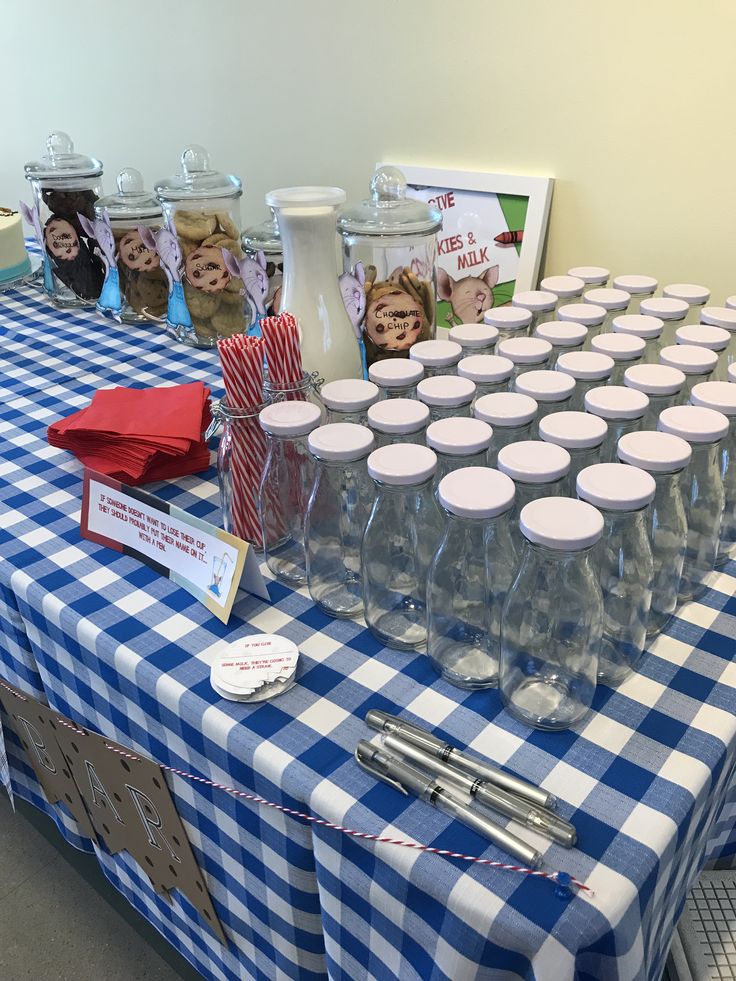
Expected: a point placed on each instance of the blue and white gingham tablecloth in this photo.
(647, 780)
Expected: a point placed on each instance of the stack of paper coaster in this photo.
(255, 668)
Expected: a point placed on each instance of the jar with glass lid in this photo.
(389, 246)
(265, 240)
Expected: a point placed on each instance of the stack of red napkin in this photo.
(138, 435)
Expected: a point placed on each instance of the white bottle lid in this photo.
(505, 409)
(459, 437)
(398, 416)
(563, 286)
(585, 365)
(476, 492)
(731, 302)
(590, 275)
(655, 452)
(664, 308)
(531, 461)
(635, 284)
(608, 299)
(525, 350)
(638, 324)
(402, 464)
(654, 379)
(620, 347)
(349, 394)
(616, 402)
(446, 390)
(720, 396)
(703, 335)
(689, 358)
(538, 301)
(470, 336)
(395, 372)
(507, 318)
(561, 333)
(573, 430)
(561, 523)
(587, 314)
(732, 372)
(290, 418)
(341, 441)
(436, 354)
(688, 292)
(545, 386)
(720, 316)
(616, 486)
(694, 423)
(485, 368)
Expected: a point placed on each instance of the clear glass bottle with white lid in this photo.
(724, 317)
(730, 303)
(551, 390)
(704, 335)
(696, 363)
(589, 371)
(648, 328)
(458, 442)
(593, 276)
(590, 315)
(703, 491)
(474, 338)
(695, 296)
(437, 357)
(397, 378)
(660, 383)
(567, 289)
(637, 286)
(552, 620)
(721, 396)
(526, 354)
(510, 415)
(580, 433)
(614, 302)
(563, 335)
(398, 421)
(400, 541)
(537, 469)
(623, 561)
(488, 372)
(447, 395)
(470, 576)
(666, 458)
(348, 399)
(511, 321)
(337, 513)
(541, 304)
(732, 373)
(622, 408)
(625, 349)
(672, 312)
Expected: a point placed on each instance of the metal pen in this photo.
(536, 818)
(408, 779)
(384, 722)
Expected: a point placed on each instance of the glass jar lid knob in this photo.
(130, 181)
(195, 160)
(59, 144)
(388, 184)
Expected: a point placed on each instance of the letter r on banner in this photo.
(151, 820)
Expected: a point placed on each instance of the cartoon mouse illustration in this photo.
(32, 218)
(100, 231)
(166, 246)
(469, 297)
(255, 282)
(352, 288)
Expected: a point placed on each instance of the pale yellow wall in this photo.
(630, 105)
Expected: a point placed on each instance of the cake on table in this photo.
(14, 261)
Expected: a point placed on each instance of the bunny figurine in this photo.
(100, 230)
(255, 283)
(31, 217)
(166, 245)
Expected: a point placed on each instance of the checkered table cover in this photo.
(647, 779)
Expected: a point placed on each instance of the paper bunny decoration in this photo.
(165, 244)
(353, 296)
(31, 217)
(100, 231)
(255, 282)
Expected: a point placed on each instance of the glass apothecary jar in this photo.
(266, 239)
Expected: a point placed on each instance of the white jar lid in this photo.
(533, 462)
(476, 492)
(720, 316)
(654, 379)
(536, 300)
(732, 372)
(620, 347)
(402, 464)
(563, 286)
(505, 409)
(703, 335)
(507, 318)
(616, 402)
(469, 336)
(561, 523)
(616, 486)
(588, 314)
(693, 423)
(395, 372)
(341, 441)
(655, 452)
(398, 416)
(635, 284)
(545, 386)
(664, 308)
(290, 418)
(731, 302)
(688, 292)
(459, 437)
(446, 389)
(590, 275)
(485, 368)
(585, 365)
(525, 350)
(608, 299)
(689, 358)
(561, 333)
(436, 354)
(638, 324)
(349, 394)
(720, 396)
(573, 430)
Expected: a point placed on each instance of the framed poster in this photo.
(493, 230)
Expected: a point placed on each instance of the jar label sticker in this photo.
(135, 255)
(206, 270)
(61, 239)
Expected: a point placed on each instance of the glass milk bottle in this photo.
(551, 390)
(623, 561)
(590, 315)
(724, 317)
(614, 302)
(563, 336)
(512, 321)
(348, 399)
(623, 410)
(470, 576)
(580, 433)
(447, 395)
(510, 415)
(648, 328)
(638, 287)
(474, 338)
(526, 354)
(399, 421)
(436, 357)
(538, 470)
(589, 371)
(672, 312)
(458, 443)
(625, 350)
(400, 541)
(695, 296)
(665, 457)
(703, 335)
(552, 620)
(592, 276)
(567, 289)
(696, 363)
(488, 372)
(661, 384)
(721, 396)
(541, 305)
(397, 378)
(337, 512)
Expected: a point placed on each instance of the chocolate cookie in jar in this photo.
(66, 186)
(264, 240)
(389, 258)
